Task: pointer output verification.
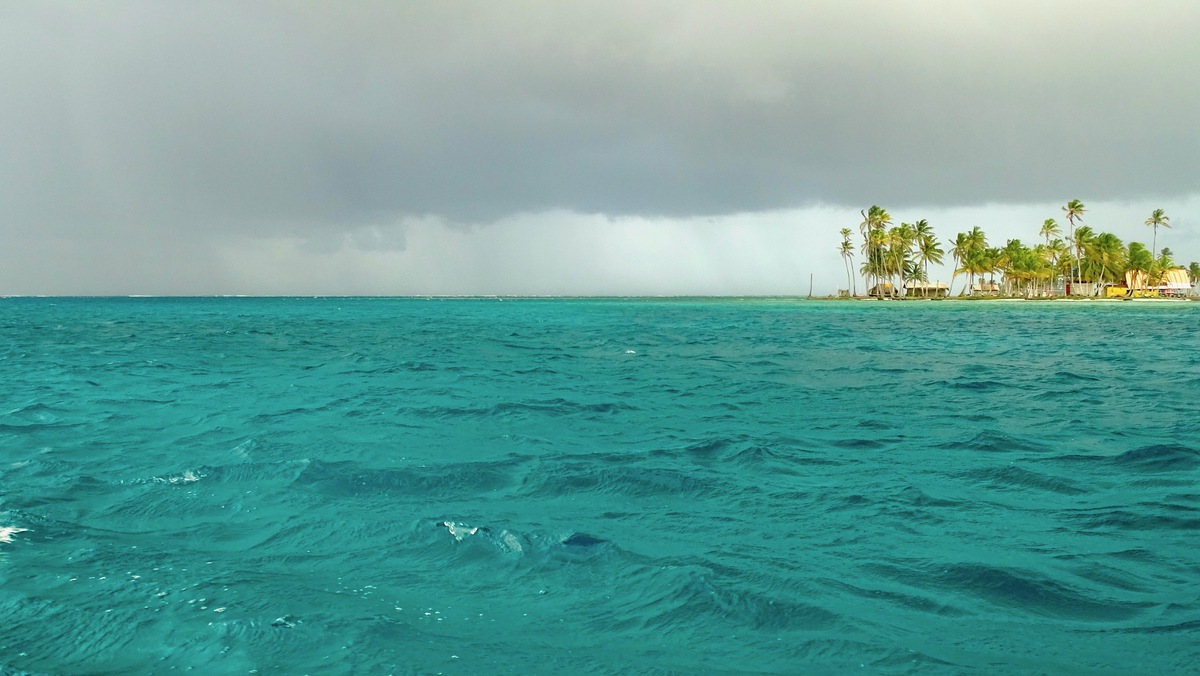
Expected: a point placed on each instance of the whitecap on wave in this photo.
(7, 533)
(188, 477)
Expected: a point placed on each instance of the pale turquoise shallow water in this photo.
(765, 486)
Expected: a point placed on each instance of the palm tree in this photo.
(1074, 210)
(970, 255)
(1157, 217)
(1062, 260)
(913, 272)
(1154, 276)
(1015, 261)
(1050, 229)
(923, 229)
(1055, 254)
(847, 251)
(1058, 249)
(976, 239)
(1139, 259)
(992, 259)
(1106, 257)
(958, 251)
(979, 261)
(1043, 264)
(873, 227)
(1084, 236)
(874, 251)
(1194, 273)
(928, 251)
(1023, 267)
(900, 241)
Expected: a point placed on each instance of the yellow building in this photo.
(1175, 282)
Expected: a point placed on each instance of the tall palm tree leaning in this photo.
(928, 251)
(875, 221)
(958, 251)
(1075, 210)
(1157, 218)
(1050, 230)
(847, 250)
(900, 241)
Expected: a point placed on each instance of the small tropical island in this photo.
(1079, 263)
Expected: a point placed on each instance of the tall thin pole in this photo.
(810, 278)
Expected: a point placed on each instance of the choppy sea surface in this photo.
(372, 485)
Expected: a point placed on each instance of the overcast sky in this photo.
(555, 147)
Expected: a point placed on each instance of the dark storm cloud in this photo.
(291, 118)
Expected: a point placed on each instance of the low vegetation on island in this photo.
(1074, 260)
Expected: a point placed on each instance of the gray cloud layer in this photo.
(283, 114)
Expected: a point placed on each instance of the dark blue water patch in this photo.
(978, 385)
(764, 458)
(527, 409)
(775, 454)
(565, 478)
(1094, 569)
(853, 502)
(862, 443)
(907, 600)
(1137, 555)
(418, 366)
(1159, 458)
(32, 427)
(583, 541)
(1020, 590)
(1021, 480)
(1068, 376)
(911, 495)
(1187, 628)
(1126, 519)
(36, 411)
(263, 418)
(538, 371)
(708, 449)
(768, 613)
(1155, 459)
(875, 424)
(350, 479)
(914, 662)
(672, 598)
(994, 441)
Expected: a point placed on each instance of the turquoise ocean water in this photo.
(364, 485)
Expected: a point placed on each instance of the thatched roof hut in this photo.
(884, 290)
(927, 289)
